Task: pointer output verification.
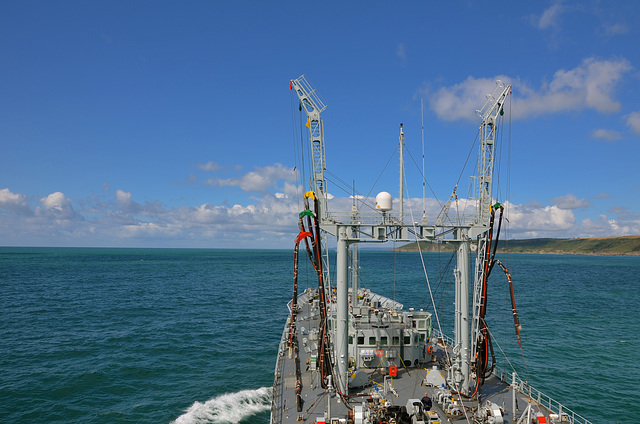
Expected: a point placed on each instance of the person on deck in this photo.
(426, 402)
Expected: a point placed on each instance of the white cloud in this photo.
(607, 227)
(259, 180)
(590, 85)
(14, 202)
(533, 220)
(209, 167)
(615, 29)
(143, 230)
(123, 197)
(528, 220)
(268, 220)
(592, 82)
(607, 135)
(570, 201)
(401, 51)
(127, 208)
(461, 100)
(624, 214)
(633, 121)
(59, 206)
(549, 17)
(55, 201)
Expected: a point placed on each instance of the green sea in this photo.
(191, 335)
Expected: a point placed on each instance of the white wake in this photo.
(229, 408)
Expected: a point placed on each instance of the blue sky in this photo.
(171, 124)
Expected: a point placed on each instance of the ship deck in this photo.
(409, 384)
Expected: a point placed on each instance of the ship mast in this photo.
(401, 138)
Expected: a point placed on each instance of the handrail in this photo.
(448, 340)
(525, 389)
(278, 387)
(375, 217)
(539, 397)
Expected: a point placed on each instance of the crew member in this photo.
(426, 402)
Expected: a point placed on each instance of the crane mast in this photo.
(313, 107)
(490, 112)
(492, 108)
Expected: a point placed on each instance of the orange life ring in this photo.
(430, 349)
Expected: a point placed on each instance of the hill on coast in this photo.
(623, 246)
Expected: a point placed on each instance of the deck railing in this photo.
(448, 340)
(539, 397)
(278, 386)
(523, 387)
(375, 217)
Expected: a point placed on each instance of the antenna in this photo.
(354, 195)
(401, 137)
(424, 178)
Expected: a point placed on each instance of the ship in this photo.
(348, 355)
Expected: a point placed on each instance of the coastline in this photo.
(603, 246)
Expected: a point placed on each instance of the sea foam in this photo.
(229, 408)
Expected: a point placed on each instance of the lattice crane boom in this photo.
(489, 113)
(492, 108)
(313, 107)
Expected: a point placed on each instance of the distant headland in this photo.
(622, 246)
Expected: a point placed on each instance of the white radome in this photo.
(384, 201)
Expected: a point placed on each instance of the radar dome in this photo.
(384, 201)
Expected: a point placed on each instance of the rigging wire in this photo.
(365, 200)
(507, 205)
(382, 172)
(299, 159)
(496, 261)
(473, 145)
(424, 182)
(298, 141)
(351, 191)
(504, 355)
(441, 282)
(395, 254)
(508, 209)
(424, 269)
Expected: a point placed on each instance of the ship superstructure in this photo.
(348, 355)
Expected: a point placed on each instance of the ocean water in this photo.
(190, 336)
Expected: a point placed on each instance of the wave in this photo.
(230, 408)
